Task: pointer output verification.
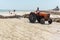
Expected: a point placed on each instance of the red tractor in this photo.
(41, 17)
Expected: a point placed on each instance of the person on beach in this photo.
(37, 11)
(14, 11)
(9, 11)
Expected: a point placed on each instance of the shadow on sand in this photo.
(40, 23)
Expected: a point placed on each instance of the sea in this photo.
(15, 10)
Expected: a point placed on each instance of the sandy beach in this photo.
(22, 29)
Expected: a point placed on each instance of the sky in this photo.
(29, 4)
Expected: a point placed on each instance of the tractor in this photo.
(41, 17)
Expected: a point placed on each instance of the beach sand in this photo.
(22, 29)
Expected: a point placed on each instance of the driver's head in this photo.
(37, 8)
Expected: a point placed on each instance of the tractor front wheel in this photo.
(42, 21)
(49, 21)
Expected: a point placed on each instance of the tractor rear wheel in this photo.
(49, 21)
(32, 18)
(42, 21)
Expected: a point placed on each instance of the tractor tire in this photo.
(38, 19)
(49, 21)
(42, 21)
(32, 18)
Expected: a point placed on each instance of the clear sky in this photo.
(28, 4)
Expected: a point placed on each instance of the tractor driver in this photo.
(37, 11)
